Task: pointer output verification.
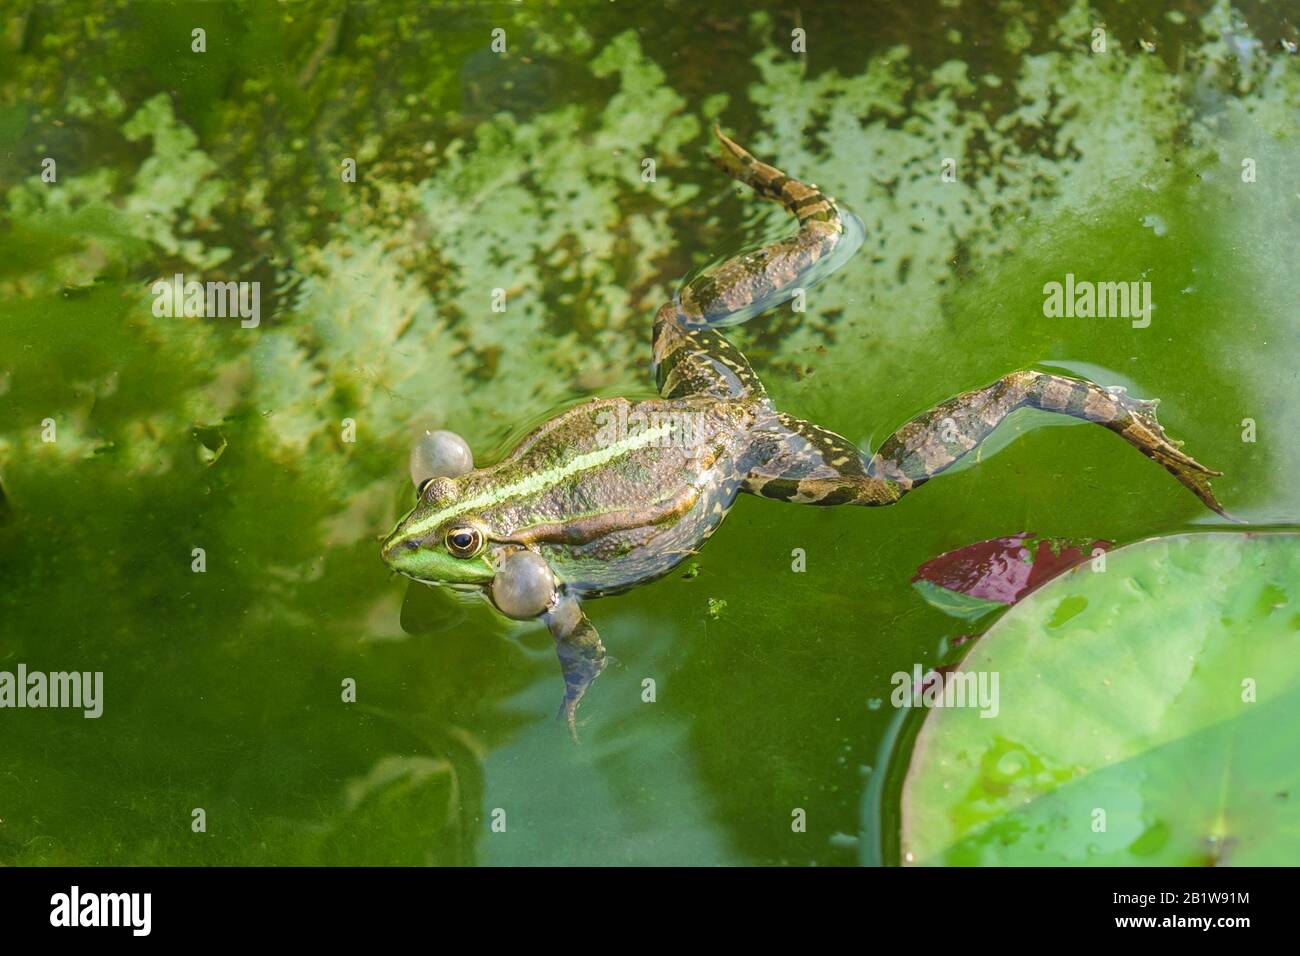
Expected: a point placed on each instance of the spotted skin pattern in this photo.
(614, 493)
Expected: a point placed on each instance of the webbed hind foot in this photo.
(1138, 425)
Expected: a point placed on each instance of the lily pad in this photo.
(986, 576)
(1148, 715)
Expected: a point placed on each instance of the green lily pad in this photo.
(1147, 715)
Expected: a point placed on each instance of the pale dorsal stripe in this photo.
(540, 481)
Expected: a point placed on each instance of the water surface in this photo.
(523, 171)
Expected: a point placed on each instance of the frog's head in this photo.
(439, 542)
(444, 541)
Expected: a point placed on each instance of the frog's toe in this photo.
(1190, 473)
(1135, 420)
(569, 714)
(1143, 429)
(1170, 454)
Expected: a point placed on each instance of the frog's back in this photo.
(608, 457)
(617, 491)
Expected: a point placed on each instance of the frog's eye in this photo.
(464, 542)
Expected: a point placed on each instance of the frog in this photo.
(614, 493)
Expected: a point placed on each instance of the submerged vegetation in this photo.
(280, 450)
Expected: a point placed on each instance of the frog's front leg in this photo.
(582, 655)
(525, 589)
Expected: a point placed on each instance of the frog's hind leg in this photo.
(691, 357)
(753, 282)
(936, 439)
(699, 362)
(804, 463)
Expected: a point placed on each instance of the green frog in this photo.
(614, 493)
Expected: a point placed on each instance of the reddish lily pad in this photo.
(988, 575)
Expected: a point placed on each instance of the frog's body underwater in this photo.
(614, 493)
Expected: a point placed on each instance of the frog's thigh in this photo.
(699, 361)
(804, 463)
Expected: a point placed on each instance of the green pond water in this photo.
(280, 450)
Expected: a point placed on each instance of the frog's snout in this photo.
(397, 549)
